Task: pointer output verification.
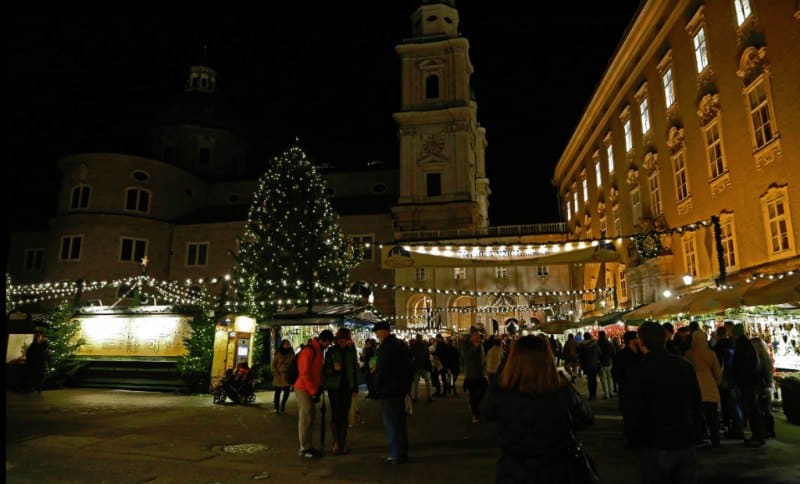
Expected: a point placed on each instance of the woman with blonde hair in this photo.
(536, 410)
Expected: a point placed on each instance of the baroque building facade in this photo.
(696, 116)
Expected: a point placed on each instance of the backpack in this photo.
(293, 372)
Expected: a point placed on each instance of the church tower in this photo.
(443, 182)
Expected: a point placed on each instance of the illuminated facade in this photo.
(696, 116)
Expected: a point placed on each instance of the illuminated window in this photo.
(714, 155)
(71, 248)
(728, 237)
(700, 49)
(459, 273)
(669, 87)
(690, 254)
(655, 193)
(636, 204)
(760, 113)
(644, 113)
(569, 208)
(501, 272)
(628, 135)
(542, 270)
(137, 200)
(365, 244)
(420, 274)
(132, 250)
(623, 282)
(34, 259)
(742, 11)
(610, 156)
(597, 174)
(681, 177)
(575, 201)
(615, 214)
(197, 253)
(80, 197)
(585, 185)
(777, 219)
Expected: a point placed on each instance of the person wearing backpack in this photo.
(308, 387)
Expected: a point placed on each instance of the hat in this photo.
(380, 325)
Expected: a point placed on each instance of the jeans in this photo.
(426, 376)
(341, 400)
(393, 410)
(591, 380)
(305, 418)
(677, 466)
(752, 411)
(280, 403)
(605, 379)
(477, 389)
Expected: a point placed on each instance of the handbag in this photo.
(409, 405)
(580, 465)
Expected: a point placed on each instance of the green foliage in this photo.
(10, 306)
(61, 334)
(195, 366)
(291, 235)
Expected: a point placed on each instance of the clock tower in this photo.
(443, 182)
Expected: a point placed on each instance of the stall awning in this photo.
(769, 292)
(355, 314)
(603, 319)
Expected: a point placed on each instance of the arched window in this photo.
(432, 87)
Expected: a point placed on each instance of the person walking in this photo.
(624, 361)
(589, 356)
(393, 374)
(281, 360)
(709, 376)
(475, 377)
(340, 378)
(421, 356)
(606, 359)
(746, 373)
(571, 356)
(536, 410)
(663, 402)
(37, 360)
(308, 388)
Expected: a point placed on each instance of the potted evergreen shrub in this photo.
(790, 391)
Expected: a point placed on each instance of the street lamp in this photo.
(667, 293)
(687, 279)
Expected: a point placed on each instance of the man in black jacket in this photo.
(393, 374)
(663, 402)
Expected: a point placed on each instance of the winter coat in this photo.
(606, 351)
(706, 367)
(746, 369)
(348, 375)
(421, 354)
(474, 360)
(533, 432)
(280, 365)
(589, 354)
(393, 371)
(623, 362)
(493, 358)
(309, 368)
(571, 349)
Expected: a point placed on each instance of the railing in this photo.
(499, 231)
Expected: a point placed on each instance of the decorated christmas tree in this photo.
(61, 334)
(292, 244)
(195, 365)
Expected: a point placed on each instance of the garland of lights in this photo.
(421, 290)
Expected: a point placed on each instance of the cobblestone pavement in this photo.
(116, 436)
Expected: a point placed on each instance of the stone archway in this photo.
(419, 311)
(463, 320)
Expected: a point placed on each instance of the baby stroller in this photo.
(239, 385)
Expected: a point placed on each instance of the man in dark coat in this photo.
(589, 357)
(746, 373)
(663, 402)
(393, 374)
(37, 360)
(623, 363)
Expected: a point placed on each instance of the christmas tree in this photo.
(291, 244)
(61, 333)
(195, 365)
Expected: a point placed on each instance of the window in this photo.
(669, 87)
(203, 156)
(434, 184)
(775, 207)
(742, 11)
(80, 197)
(197, 253)
(610, 156)
(138, 200)
(501, 272)
(585, 185)
(728, 240)
(700, 49)
(364, 243)
(575, 201)
(542, 270)
(420, 274)
(716, 160)
(689, 254)
(760, 113)
(569, 208)
(33, 259)
(636, 203)
(141, 176)
(655, 194)
(132, 250)
(623, 282)
(459, 273)
(432, 87)
(628, 135)
(71, 248)
(617, 220)
(644, 113)
(597, 174)
(681, 178)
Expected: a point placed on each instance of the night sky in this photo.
(82, 84)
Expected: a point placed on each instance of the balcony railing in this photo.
(499, 231)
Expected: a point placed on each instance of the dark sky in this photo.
(78, 84)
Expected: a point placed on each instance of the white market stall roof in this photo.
(363, 315)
